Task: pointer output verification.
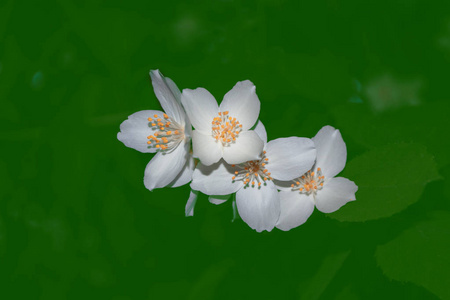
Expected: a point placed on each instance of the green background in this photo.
(76, 221)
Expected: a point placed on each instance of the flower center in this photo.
(253, 172)
(168, 133)
(309, 183)
(225, 128)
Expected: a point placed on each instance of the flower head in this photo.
(318, 187)
(167, 133)
(224, 131)
(253, 181)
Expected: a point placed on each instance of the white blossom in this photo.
(224, 131)
(168, 133)
(318, 187)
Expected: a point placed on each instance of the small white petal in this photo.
(169, 96)
(190, 204)
(165, 167)
(185, 175)
(215, 179)
(290, 157)
(242, 103)
(206, 148)
(295, 209)
(248, 146)
(218, 199)
(134, 131)
(259, 207)
(201, 108)
(235, 212)
(331, 151)
(283, 185)
(335, 193)
(261, 131)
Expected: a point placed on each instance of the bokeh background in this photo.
(76, 221)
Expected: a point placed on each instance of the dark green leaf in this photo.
(390, 178)
(420, 255)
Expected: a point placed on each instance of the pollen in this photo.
(310, 183)
(225, 129)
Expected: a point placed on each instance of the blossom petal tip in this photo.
(155, 74)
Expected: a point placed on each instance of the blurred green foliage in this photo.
(76, 220)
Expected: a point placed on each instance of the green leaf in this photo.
(420, 255)
(390, 178)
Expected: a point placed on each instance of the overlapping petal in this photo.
(290, 157)
(134, 131)
(168, 95)
(218, 199)
(261, 131)
(295, 209)
(201, 107)
(248, 146)
(165, 167)
(242, 103)
(185, 175)
(215, 179)
(206, 148)
(336, 192)
(259, 207)
(331, 151)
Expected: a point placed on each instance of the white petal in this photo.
(259, 207)
(173, 88)
(242, 103)
(248, 146)
(215, 179)
(187, 128)
(165, 167)
(295, 209)
(190, 204)
(290, 157)
(261, 131)
(168, 95)
(186, 173)
(331, 151)
(218, 199)
(206, 148)
(201, 108)
(134, 131)
(336, 192)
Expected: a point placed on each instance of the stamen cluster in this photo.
(225, 128)
(253, 171)
(168, 133)
(309, 183)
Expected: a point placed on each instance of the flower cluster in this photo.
(276, 183)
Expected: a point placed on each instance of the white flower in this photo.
(167, 133)
(318, 187)
(224, 131)
(256, 195)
